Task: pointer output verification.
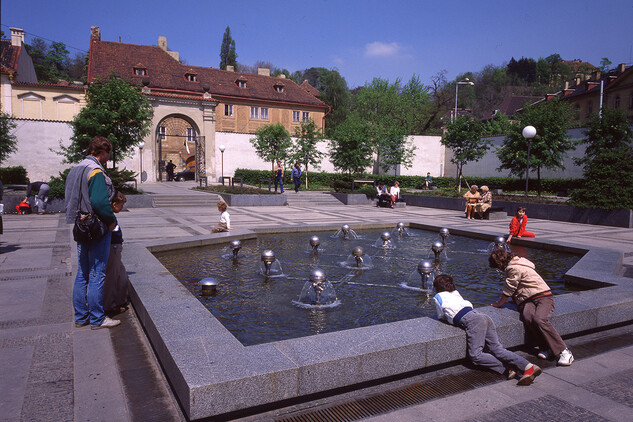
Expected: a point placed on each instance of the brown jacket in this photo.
(522, 280)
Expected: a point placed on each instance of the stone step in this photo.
(194, 200)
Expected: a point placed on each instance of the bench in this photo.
(493, 213)
(265, 181)
(235, 180)
(372, 182)
(223, 178)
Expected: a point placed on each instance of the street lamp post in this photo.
(529, 132)
(141, 145)
(222, 148)
(465, 81)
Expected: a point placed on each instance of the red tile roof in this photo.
(8, 56)
(163, 72)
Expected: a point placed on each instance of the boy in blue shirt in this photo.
(481, 333)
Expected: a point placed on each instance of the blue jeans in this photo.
(297, 181)
(279, 181)
(88, 288)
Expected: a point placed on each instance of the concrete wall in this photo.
(36, 138)
(487, 166)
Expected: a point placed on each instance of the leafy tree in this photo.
(228, 56)
(607, 180)
(272, 143)
(611, 131)
(608, 161)
(305, 151)
(116, 110)
(498, 125)
(551, 119)
(349, 148)
(605, 63)
(8, 141)
(336, 95)
(464, 138)
(395, 149)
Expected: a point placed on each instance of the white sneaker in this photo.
(544, 354)
(565, 358)
(107, 323)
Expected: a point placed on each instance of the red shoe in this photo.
(531, 371)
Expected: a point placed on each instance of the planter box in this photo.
(253, 200)
(615, 218)
(353, 198)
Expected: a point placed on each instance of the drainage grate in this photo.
(397, 399)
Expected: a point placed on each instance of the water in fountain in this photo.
(270, 266)
(346, 232)
(384, 242)
(232, 250)
(257, 309)
(499, 243)
(422, 278)
(401, 231)
(318, 291)
(315, 246)
(358, 260)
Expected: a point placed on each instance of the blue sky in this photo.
(362, 39)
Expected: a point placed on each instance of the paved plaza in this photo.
(54, 371)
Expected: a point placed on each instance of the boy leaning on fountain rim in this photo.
(481, 333)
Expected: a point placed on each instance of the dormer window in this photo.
(241, 83)
(191, 77)
(140, 71)
(279, 88)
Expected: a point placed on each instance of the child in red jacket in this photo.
(517, 225)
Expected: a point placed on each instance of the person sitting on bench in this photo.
(382, 194)
(485, 202)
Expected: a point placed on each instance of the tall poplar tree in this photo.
(228, 56)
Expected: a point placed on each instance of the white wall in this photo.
(240, 153)
(487, 166)
(35, 141)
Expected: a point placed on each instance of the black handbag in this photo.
(87, 225)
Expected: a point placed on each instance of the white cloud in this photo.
(381, 49)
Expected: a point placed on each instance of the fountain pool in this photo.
(258, 309)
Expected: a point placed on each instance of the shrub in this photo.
(13, 175)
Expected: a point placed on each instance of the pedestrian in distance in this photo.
(296, 176)
(279, 177)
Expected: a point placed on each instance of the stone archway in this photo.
(176, 137)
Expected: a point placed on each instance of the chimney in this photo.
(263, 71)
(17, 37)
(230, 68)
(282, 76)
(621, 68)
(595, 75)
(95, 33)
(162, 43)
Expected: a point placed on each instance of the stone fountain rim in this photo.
(212, 373)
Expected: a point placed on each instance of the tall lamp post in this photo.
(141, 145)
(465, 81)
(222, 148)
(529, 132)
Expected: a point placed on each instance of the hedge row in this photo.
(338, 181)
(13, 175)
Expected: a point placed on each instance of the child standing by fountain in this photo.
(518, 224)
(115, 285)
(535, 301)
(225, 219)
(480, 333)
